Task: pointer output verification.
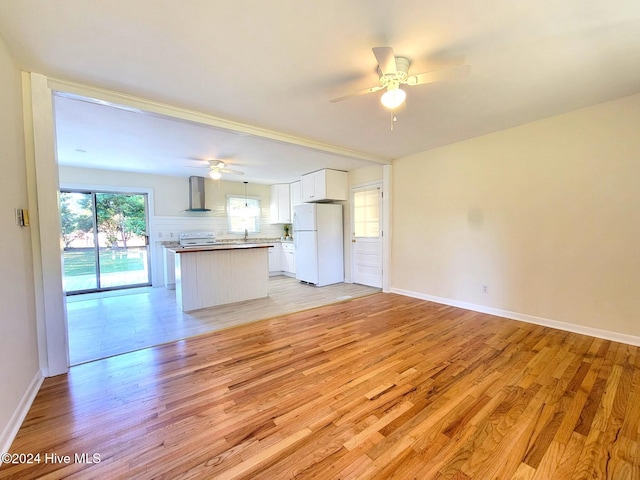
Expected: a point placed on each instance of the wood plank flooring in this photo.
(379, 387)
(111, 323)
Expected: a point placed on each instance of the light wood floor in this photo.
(110, 323)
(380, 387)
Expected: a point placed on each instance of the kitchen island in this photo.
(219, 274)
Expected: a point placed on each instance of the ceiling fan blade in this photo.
(196, 162)
(356, 94)
(232, 172)
(219, 164)
(386, 60)
(442, 75)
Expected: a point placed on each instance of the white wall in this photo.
(170, 195)
(547, 215)
(365, 175)
(20, 373)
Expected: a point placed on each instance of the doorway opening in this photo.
(106, 244)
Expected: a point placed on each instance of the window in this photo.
(243, 214)
(366, 210)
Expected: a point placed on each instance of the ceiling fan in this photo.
(218, 167)
(394, 71)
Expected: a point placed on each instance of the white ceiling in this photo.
(93, 135)
(275, 64)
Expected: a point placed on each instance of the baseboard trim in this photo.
(523, 317)
(15, 422)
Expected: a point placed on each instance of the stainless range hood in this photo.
(196, 195)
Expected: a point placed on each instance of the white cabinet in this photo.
(324, 185)
(275, 259)
(282, 259)
(310, 183)
(169, 268)
(289, 258)
(280, 203)
(296, 195)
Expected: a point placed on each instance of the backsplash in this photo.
(169, 228)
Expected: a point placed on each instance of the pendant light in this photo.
(247, 211)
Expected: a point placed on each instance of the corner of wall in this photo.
(11, 429)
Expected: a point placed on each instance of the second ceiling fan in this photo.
(218, 167)
(394, 71)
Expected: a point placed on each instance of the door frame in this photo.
(93, 187)
(93, 190)
(379, 184)
(43, 191)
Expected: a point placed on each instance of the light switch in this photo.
(22, 217)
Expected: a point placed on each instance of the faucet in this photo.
(246, 234)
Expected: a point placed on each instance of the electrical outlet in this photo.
(485, 288)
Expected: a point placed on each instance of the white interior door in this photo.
(366, 246)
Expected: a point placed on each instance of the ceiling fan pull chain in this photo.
(393, 119)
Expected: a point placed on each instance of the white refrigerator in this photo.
(317, 234)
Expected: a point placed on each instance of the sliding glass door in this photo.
(105, 240)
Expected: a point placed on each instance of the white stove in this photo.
(197, 239)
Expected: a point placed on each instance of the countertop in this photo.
(173, 243)
(218, 246)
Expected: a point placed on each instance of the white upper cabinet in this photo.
(324, 186)
(280, 203)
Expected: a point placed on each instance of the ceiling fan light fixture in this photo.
(393, 98)
(215, 174)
